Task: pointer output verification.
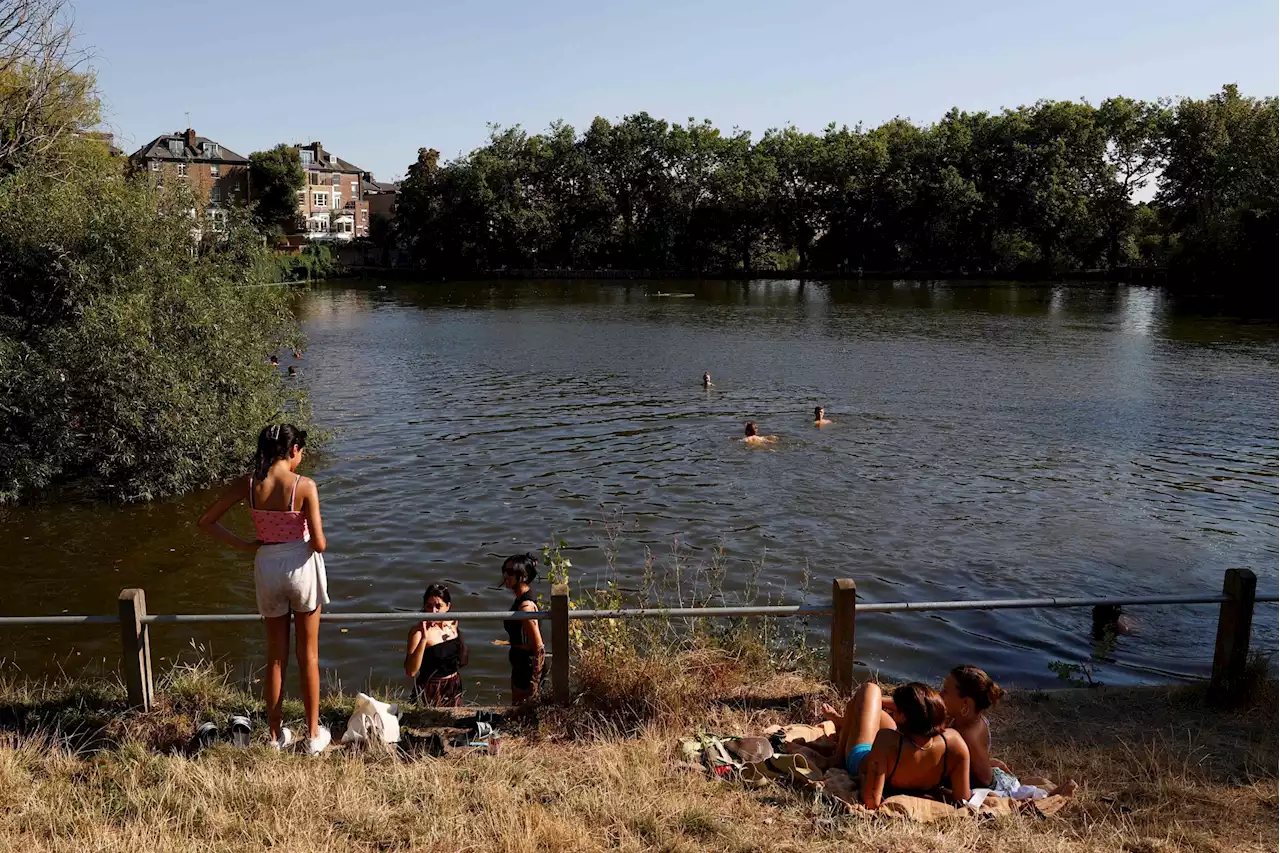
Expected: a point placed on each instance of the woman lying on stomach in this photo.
(904, 751)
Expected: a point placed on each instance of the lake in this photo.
(988, 441)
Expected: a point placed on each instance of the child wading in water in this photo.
(288, 569)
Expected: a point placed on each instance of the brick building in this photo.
(381, 197)
(217, 175)
(333, 205)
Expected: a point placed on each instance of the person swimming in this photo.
(706, 380)
(274, 361)
(751, 435)
(293, 371)
(820, 416)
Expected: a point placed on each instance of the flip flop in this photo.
(206, 735)
(239, 729)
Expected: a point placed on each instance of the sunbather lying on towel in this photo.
(967, 692)
(906, 749)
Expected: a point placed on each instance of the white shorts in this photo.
(289, 576)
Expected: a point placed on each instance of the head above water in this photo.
(819, 413)
(706, 379)
(969, 690)
(520, 569)
(750, 430)
(293, 371)
(436, 599)
(920, 711)
(276, 442)
(275, 360)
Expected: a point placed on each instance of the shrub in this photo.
(133, 343)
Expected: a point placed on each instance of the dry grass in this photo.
(1159, 772)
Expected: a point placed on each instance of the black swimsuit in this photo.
(522, 659)
(438, 681)
(890, 789)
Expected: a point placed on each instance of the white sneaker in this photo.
(286, 738)
(316, 745)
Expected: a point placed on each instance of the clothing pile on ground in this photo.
(793, 755)
(375, 722)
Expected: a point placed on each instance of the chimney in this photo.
(190, 136)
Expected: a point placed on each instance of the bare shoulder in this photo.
(528, 605)
(955, 740)
(886, 738)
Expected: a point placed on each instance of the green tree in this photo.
(1219, 187)
(1037, 190)
(133, 338)
(276, 177)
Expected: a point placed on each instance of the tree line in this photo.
(1044, 189)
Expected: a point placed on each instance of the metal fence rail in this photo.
(1235, 618)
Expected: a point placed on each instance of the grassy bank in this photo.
(1158, 771)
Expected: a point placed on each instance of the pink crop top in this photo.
(276, 526)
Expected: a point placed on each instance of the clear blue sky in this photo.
(376, 80)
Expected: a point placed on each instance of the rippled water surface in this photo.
(988, 441)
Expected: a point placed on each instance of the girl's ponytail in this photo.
(276, 442)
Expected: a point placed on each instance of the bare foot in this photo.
(831, 715)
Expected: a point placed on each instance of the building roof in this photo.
(204, 150)
(369, 186)
(327, 162)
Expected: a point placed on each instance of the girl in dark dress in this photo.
(527, 652)
(436, 653)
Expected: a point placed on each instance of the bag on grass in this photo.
(372, 720)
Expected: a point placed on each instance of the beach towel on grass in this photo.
(838, 785)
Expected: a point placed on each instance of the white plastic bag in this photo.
(373, 720)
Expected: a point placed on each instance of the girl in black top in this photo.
(436, 652)
(527, 653)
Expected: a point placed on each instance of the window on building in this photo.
(215, 171)
(307, 157)
(175, 147)
(302, 196)
(319, 199)
(336, 178)
(182, 170)
(215, 195)
(155, 165)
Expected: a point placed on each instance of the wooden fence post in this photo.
(135, 641)
(844, 598)
(560, 643)
(1231, 651)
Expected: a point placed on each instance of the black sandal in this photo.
(206, 736)
(238, 730)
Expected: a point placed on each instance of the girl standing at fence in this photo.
(527, 652)
(436, 653)
(288, 569)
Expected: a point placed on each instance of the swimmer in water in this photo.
(820, 416)
(706, 380)
(275, 362)
(293, 371)
(751, 435)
